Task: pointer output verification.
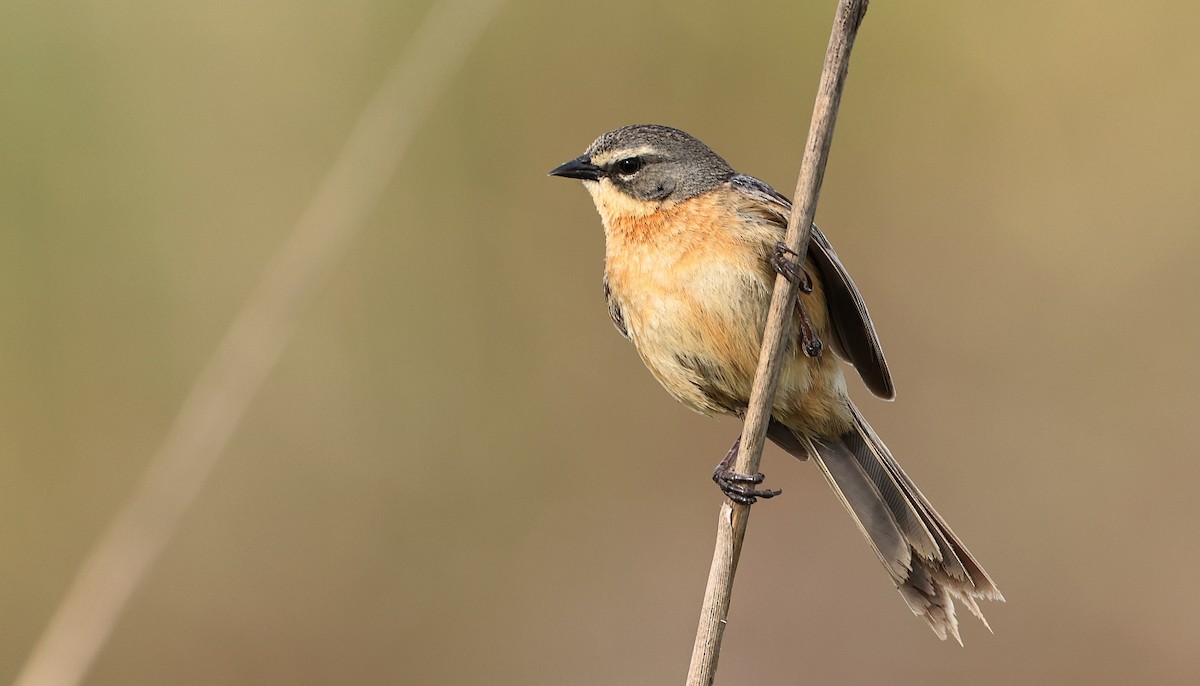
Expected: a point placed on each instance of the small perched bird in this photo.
(692, 249)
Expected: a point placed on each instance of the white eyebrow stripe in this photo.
(605, 158)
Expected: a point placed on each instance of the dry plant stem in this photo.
(731, 525)
(250, 347)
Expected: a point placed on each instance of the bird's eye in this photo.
(629, 166)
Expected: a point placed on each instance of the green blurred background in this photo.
(428, 489)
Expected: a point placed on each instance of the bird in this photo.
(692, 250)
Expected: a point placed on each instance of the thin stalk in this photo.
(731, 524)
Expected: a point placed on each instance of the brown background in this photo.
(460, 474)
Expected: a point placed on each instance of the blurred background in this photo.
(432, 488)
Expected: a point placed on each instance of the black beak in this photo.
(579, 168)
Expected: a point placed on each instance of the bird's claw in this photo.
(740, 487)
(784, 262)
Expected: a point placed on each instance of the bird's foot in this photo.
(793, 272)
(739, 487)
(784, 262)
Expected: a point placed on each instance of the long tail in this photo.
(928, 563)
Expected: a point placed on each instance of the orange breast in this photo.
(693, 284)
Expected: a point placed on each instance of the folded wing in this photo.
(854, 337)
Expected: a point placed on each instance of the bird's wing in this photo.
(855, 340)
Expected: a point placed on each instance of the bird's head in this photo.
(636, 170)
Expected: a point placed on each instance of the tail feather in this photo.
(870, 510)
(929, 564)
(964, 565)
